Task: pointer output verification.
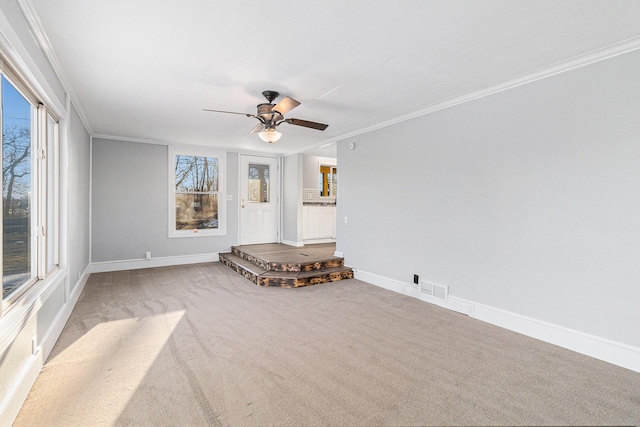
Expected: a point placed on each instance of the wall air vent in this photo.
(426, 288)
(441, 291)
(433, 290)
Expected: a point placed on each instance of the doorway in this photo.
(259, 200)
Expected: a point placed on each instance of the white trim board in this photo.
(613, 352)
(12, 402)
(136, 264)
(292, 243)
(316, 241)
(56, 328)
(228, 149)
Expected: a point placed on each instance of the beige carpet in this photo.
(200, 345)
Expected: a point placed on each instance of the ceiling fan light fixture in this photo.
(269, 135)
(270, 116)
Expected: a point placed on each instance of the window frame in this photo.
(221, 192)
(44, 173)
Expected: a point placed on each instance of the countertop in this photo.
(327, 204)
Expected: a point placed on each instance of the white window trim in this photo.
(222, 198)
(39, 164)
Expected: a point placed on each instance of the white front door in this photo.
(259, 200)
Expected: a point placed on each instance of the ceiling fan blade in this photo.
(229, 112)
(285, 105)
(257, 128)
(307, 124)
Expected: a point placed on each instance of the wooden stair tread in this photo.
(274, 252)
(268, 265)
(274, 257)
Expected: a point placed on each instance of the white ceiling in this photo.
(145, 69)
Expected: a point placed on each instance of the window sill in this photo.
(197, 233)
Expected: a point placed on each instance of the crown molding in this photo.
(33, 19)
(130, 139)
(607, 52)
(17, 53)
(181, 144)
(314, 146)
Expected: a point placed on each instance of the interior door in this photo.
(259, 200)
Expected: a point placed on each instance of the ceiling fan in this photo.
(271, 116)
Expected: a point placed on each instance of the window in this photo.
(258, 183)
(29, 188)
(196, 193)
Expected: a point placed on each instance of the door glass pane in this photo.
(16, 189)
(258, 183)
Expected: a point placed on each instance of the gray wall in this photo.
(292, 198)
(130, 204)
(79, 157)
(527, 200)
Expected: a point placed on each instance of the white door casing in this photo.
(259, 200)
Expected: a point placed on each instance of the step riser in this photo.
(256, 273)
(250, 258)
(276, 266)
(307, 281)
(239, 269)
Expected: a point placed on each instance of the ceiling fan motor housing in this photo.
(266, 113)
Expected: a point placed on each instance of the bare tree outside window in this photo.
(196, 192)
(16, 189)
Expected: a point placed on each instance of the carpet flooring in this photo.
(199, 345)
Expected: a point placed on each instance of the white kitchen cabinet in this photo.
(319, 222)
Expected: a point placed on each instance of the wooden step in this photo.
(241, 266)
(289, 259)
(296, 279)
(276, 271)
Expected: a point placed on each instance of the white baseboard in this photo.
(21, 387)
(136, 264)
(339, 254)
(613, 352)
(450, 303)
(314, 241)
(14, 399)
(610, 351)
(292, 243)
(52, 335)
(385, 282)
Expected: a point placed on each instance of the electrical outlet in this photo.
(416, 279)
(147, 255)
